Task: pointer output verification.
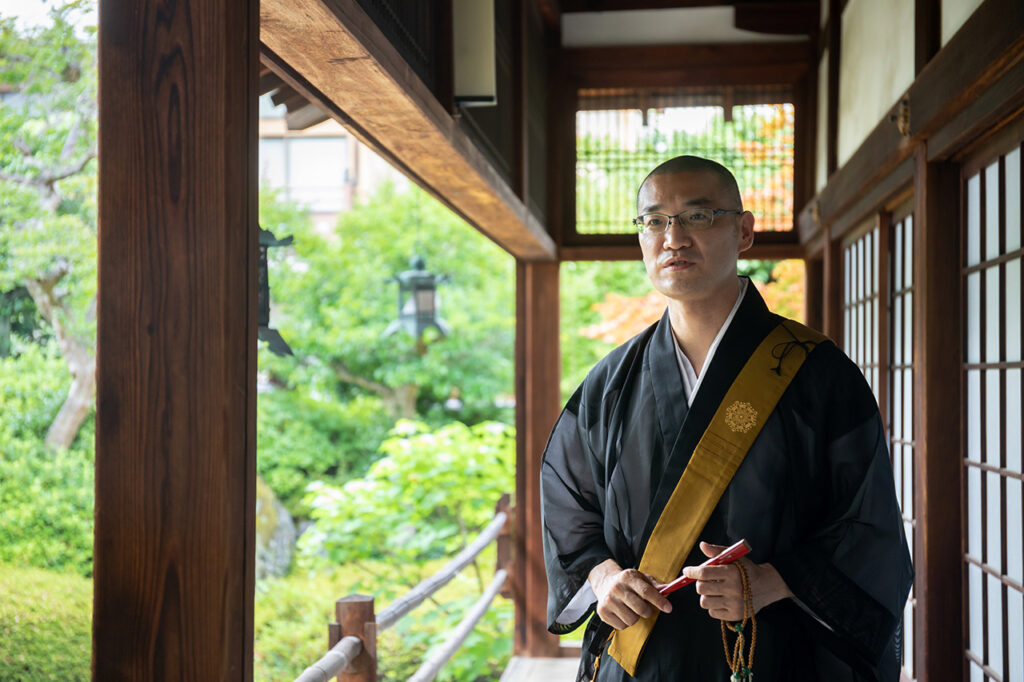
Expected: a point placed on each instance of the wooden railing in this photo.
(352, 655)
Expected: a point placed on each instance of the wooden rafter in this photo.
(343, 56)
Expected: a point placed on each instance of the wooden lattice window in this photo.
(994, 574)
(860, 305)
(900, 416)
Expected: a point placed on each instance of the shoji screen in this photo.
(900, 420)
(994, 574)
(860, 305)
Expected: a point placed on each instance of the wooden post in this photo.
(503, 544)
(538, 398)
(938, 633)
(174, 555)
(938, 423)
(832, 288)
(356, 617)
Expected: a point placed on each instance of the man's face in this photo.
(693, 266)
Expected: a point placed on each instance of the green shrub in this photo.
(46, 496)
(292, 614)
(45, 620)
(301, 439)
(408, 507)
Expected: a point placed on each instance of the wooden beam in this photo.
(876, 196)
(833, 39)
(985, 47)
(334, 46)
(538, 403)
(176, 342)
(622, 5)
(927, 32)
(959, 79)
(781, 18)
(1002, 102)
(690, 65)
(938, 420)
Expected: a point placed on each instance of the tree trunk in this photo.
(76, 407)
(81, 362)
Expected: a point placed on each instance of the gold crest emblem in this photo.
(740, 417)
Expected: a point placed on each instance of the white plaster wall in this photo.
(821, 145)
(876, 66)
(954, 14)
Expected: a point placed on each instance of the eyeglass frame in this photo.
(638, 221)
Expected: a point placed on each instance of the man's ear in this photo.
(746, 225)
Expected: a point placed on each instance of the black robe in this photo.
(814, 496)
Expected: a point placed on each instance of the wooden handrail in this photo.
(353, 638)
(432, 666)
(333, 662)
(400, 607)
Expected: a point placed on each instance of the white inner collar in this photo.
(691, 381)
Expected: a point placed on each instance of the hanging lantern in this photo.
(418, 301)
(277, 344)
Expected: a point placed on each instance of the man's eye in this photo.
(655, 221)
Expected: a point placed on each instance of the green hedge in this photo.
(45, 621)
(46, 496)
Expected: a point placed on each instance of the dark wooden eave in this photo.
(332, 50)
(975, 80)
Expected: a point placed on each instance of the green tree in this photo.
(334, 298)
(48, 183)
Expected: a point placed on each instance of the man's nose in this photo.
(676, 236)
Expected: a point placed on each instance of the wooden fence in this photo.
(352, 640)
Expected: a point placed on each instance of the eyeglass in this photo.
(692, 219)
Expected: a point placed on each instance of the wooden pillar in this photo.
(176, 347)
(835, 50)
(832, 288)
(937, 432)
(538, 402)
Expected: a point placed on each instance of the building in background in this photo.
(320, 166)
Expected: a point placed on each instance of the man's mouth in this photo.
(674, 264)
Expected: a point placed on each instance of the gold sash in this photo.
(740, 416)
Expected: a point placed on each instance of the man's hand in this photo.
(624, 596)
(721, 590)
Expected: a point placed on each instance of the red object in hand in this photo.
(727, 556)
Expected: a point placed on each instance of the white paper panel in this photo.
(992, 314)
(975, 610)
(908, 639)
(897, 331)
(1015, 625)
(974, 512)
(908, 480)
(994, 521)
(976, 674)
(1014, 558)
(974, 317)
(908, 327)
(874, 331)
(1013, 420)
(896, 421)
(995, 623)
(1013, 329)
(908, 404)
(992, 211)
(908, 267)
(974, 415)
(1012, 188)
(897, 258)
(993, 418)
(974, 220)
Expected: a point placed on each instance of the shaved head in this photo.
(696, 164)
